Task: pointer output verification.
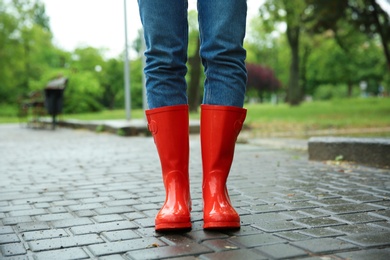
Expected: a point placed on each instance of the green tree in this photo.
(365, 16)
(292, 14)
(26, 48)
(113, 83)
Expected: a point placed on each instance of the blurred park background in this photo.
(313, 65)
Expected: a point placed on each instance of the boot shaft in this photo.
(170, 130)
(220, 126)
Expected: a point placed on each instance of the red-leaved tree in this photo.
(262, 79)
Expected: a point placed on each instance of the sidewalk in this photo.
(77, 194)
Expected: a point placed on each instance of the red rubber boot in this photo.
(169, 127)
(220, 126)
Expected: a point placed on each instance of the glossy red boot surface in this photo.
(220, 126)
(169, 127)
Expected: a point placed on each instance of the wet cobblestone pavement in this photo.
(73, 194)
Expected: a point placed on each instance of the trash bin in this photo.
(54, 97)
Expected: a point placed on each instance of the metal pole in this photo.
(127, 70)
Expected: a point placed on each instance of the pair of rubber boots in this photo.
(219, 128)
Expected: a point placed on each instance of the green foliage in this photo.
(328, 92)
(99, 128)
(334, 55)
(121, 132)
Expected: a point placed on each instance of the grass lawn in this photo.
(268, 119)
(320, 115)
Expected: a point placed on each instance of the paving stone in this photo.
(114, 210)
(318, 222)
(202, 235)
(377, 254)
(328, 202)
(266, 217)
(234, 254)
(45, 205)
(127, 202)
(168, 252)
(282, 251)
(315, 213)
(145, 222)
(133, 215)
(79, 195)
(385, 226)
(62, 254)
(369, 239)
(97, 228)
(243, 231)
(264, 208)
(51, 217)
(64, 242)
(72, 222)
(320, 232)
(13, 249)
(31, 199)
(16, 220)
(85, 213)
(44, 234)
(28, 212)
(65, 203)
(78, 207)
(358, 229)
(298, 205)
(323, 245)
(15, 208)
(6, 230)
(124, 246)
(382, 214)
(357, 218)
(219, 245)
(292, 235)
(143, 207)
(9, 238)
(256, 240)
(120, 235)
(176, 239)
(350, 208)
(365, 198)
(108, 218)
(111, 257)
(293, 214)
(32, 226)
(277, 226)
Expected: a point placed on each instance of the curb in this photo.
(134, 127)
(368, 151)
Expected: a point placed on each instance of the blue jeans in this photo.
(222, 31)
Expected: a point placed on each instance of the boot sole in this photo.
(173, 226)
(221, 225)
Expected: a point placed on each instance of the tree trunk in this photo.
(381, 33)
(294, 95)
(350, 89)
(305, 58)
(193, 86)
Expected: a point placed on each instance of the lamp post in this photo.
(126, 68)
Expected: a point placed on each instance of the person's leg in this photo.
(166, 37)
(222, 31)
(222, 25)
